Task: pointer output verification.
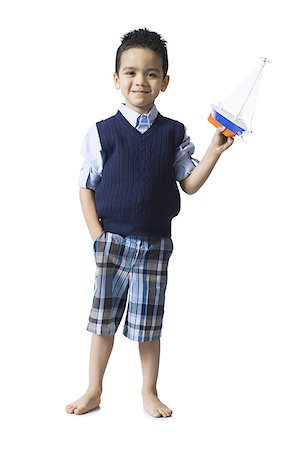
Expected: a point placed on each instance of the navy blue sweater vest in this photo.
(138, 193)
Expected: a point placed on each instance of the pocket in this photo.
(97, 240)
(169, 245)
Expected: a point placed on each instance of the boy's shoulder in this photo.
(170, 120)
(174, 127)
(106, 120)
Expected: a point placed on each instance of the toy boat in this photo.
(236, 111)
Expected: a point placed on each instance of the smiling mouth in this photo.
(140, 92)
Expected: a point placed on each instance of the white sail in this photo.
(239, 106)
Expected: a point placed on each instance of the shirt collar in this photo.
(133, 116)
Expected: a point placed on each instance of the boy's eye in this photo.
(132, 73)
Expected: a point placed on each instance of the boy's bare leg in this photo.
(149, 355)
(101, 347)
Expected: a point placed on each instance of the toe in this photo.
(169, 412)
(70, 409)
(163, 412)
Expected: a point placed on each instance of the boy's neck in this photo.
(140, 111)
(133, 116)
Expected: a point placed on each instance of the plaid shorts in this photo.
(130, 270)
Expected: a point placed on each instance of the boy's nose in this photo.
(140, 81)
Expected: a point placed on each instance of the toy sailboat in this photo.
(236, 111)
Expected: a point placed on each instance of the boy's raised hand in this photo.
(219, 142)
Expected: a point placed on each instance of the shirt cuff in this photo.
(184, 162)
(88, 178)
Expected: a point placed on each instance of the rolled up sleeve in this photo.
(184, 163)
(88, 177)
(91, 151)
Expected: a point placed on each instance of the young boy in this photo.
(129, 195)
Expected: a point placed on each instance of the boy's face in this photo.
(140, 78)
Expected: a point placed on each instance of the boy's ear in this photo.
(165, 83)
(116, 80)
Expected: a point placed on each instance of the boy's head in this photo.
(141, 69)
(143, 38)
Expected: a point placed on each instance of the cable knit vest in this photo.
(138, 193)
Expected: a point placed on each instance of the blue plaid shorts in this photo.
(130, 270)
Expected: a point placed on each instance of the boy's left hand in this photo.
(219, 142)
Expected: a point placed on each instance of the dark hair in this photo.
(143, 38)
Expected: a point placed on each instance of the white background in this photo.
(232, 346)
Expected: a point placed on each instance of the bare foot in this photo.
(155, 407)
(89, 401)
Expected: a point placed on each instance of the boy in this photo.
(129, 195)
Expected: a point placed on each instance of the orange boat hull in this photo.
(214, 122)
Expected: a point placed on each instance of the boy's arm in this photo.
(87, 200)
(201, 172)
